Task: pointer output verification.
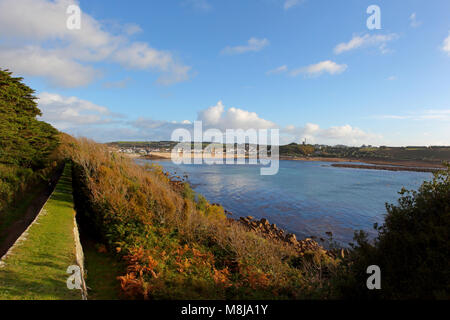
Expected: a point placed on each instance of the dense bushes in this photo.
(294, 149)
(14, 181)
(412, 248)
(177, 245)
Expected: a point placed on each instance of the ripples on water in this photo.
(305, 198)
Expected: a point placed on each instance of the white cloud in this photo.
(58, 69)
(132, 28)
(39, 19)
(232, 118)
(413, 20)
(242, 119)
(392, 78)
(212, 115)
(434, 114)
(253, 44)
(446, 44)
(317, 69)
(68, 112)
(429, 114)
(366, 40)
(345, 134)
(84, 118)
(140, 56)
(42, 20)
(38, 27)
(280, 69)
(288, 4)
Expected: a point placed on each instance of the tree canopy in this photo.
(24, 140)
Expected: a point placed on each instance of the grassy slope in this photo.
(37, 267)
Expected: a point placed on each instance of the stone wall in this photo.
(79, 258)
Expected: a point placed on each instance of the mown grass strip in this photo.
(36, 267)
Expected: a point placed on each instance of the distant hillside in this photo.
(437, 153)
(143, 144)
(431, 154)
(434, 154)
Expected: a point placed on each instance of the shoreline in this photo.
(381, 167)
(373, 164)
(395, 163)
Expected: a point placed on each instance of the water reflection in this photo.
(306, 198)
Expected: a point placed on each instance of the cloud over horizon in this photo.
(67, 112)
(345, 134)
(232, 118)
(428, 114)
(83, 118)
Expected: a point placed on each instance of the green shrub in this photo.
(412, 248)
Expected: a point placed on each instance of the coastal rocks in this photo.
(271, 231)
(291, 238)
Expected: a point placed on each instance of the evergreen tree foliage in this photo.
(24, 141)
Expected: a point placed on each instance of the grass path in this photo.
(36, 268)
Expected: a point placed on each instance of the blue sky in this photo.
(311, 68)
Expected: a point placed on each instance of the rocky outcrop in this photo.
(271, 231)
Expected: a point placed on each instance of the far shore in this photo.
(409, 165)
(399, 163)
(380, 167)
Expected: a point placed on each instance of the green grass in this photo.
(36, 269)
(102, 272)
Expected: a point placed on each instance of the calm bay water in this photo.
(305, 198)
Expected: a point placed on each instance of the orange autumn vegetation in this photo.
(175, 244)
